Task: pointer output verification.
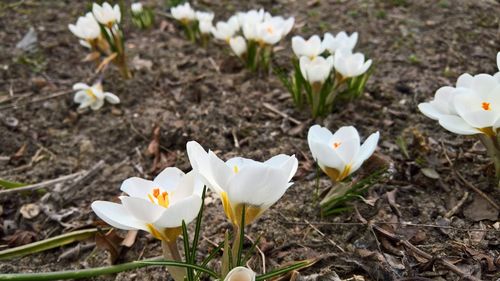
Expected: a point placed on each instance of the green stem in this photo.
(76, 274)
(171, 252)
(492, 144)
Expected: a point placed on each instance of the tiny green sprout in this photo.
(381, 14)
(413, 59)
(142, 17)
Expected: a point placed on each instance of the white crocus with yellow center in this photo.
(243, 183)
(205, 21)
(350, 65)
(316, 70)
(273, 29)
(183, 13)
(86, 28)
(225, 30)
(158, 207)
(311, 47)
(340, 154)
(136, 8)
(92, 96)
(238, 45)
(107, 14)
(341, 41)
(240, 273)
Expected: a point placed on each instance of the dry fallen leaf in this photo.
(29, 211)
(111, 243)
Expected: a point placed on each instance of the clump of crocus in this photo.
(100, 31)
(93, 96)
(472, 107)
(339, 155)
(142, 16)
(159, 207)
(197, 24)
(325, 70)
(253, 34)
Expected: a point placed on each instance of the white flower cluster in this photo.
(315, 68)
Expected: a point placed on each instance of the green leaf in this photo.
(11, 184)
(187, 252)
(242, 237)
(184, 265)
(285, 270)
(197, 229)
(210, 257)
(79, 273)
(47, 244)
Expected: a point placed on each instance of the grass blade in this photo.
(285, 270)
(11, 184)
(182, 264)
(197, 229)
(47, 244)
(187, 252)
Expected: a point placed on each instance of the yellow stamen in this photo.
(165, 234)
(335, 175)
(235, 169)
(90, 94)
(336, 144)
(161, 199)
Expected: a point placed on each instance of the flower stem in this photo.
(492, 144)
(171, 252)
(236, 244)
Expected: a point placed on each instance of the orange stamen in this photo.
(486, 106)
(156, 192)
(336, 145)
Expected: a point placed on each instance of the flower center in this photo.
(236, 169)
(486, 106)
(336, 144)
(161, 197)
(90, 94)
(270, 30)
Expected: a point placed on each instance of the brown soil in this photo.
(202, 94)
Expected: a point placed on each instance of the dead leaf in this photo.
(19, 153)
(140, 64)
(129, 239)
(430, 173)
(29, 211)
(20, 237)
(480, 209)
(111, 243)
(91, 57)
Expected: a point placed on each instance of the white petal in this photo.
(198, 158)
(365, 151)
(464, 81)
(240, 273)
(457, 125)
(97, 104)
(498, 60)
(188, 185)
(186, 209)
(80, 97)
(142, 209)
(137, 187)
(429, 110)
(80, 86)
(116, 215)
(169, 178)
(111, 98)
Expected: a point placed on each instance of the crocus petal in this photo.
(80, 86)
(464, 81)
(365, 151)
(169, 178)
(97, 104)
(137, 187)
(429, 110)
(189, 184)
(111, 98)
(498, 60)
(80, 97)
(183, 210)
(457, 125)
(198, 158)
(142, 209)
(240, 273)
(116, 215)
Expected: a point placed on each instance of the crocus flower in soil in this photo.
(311, 47)
(158, 207)
(340, 154)
(240, 273)
(136, 8)
(86, 28)
(242, 182)
(472, 107)
(316, 70)
(225, 30)
(106, 14)
(249, 22)
(183, 13)
(205, 16)
(92, 96)
(205, 21)
(350, 65)
(272, 30)
(238, 45)
(341, 41)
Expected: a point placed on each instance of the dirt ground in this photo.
(203, 94)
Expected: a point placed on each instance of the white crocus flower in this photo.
(158, 207)
(272, 30)
(205, 16)
(250, 17)
(350, 65)
(341, 41)
(238, 45)
(311, 47)
(317, 69)
(240, 273)
(136, 8)
(225, 30)
(86, 28)
(205, 27)
(106, 14)
(92, 96)
(340, 154)
(183, 12)
(243, 183)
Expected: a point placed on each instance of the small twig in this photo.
(235, 138)
(414, 249)
(471, 186)
(54, 95)
(43, 184)
(324, 236)
(214, 64)
(85, 176)
(457, 206)
(281, 113)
